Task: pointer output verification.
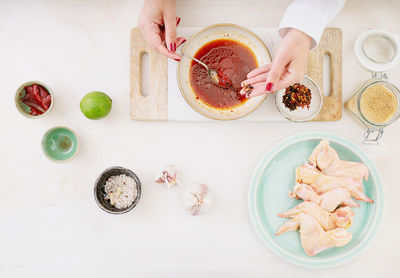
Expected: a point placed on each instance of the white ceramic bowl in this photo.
(302, 114)
(212, 33)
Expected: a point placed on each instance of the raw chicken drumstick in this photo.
(341, 218)
(313, 238)
(322, 183)
(329, 201)
(327, 160)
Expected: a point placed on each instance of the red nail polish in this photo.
(170, 48)
(183, 40)
(174, 46)
(177, 21)
(269, 87)
(178, 60)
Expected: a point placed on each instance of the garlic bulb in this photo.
(196, 198)
(169, 176)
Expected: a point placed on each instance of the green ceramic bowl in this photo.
(24, 109)
(60, 144)
(268, 196)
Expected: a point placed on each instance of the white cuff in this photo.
(305, 18)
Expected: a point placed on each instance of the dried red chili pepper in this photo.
(37, 98)
(224, 80)
(296, 96)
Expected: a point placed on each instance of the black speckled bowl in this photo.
(99, 193)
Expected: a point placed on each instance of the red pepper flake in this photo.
(296, 96)
(247, 88)
(37, 98)
(224, 81)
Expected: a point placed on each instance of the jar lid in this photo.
(377, 50)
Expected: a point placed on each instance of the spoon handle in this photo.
(197, 60)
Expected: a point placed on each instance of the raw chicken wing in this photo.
(305, 192)
(322, 183)
(329, 201)
(340, 218)
(336, 197)
(327, 160)
(313, 238)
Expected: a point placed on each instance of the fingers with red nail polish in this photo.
(287, 67)
(170, 22)
(269, 87)
(158, 22)
(180, 41)
(256, 89)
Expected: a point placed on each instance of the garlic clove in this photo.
(169, 176)
(196, 198)
(112, 199)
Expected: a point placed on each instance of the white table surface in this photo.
(50, 224)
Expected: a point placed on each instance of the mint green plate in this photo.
(60, 144)
(268, 196)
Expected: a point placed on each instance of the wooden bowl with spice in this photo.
(117, 190)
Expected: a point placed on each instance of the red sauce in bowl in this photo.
(232, 60)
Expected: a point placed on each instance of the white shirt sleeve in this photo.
(310, 17)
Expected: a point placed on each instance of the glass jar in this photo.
(376, 104)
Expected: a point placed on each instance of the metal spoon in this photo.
(212, 73)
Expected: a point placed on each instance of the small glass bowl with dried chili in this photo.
(34, 99)
(301, 101)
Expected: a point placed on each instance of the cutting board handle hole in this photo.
(326, 75)
(144, 74)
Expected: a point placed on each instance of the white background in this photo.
(50, 224)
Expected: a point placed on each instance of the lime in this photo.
(96, 105)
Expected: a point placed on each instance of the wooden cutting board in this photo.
(154, 106)
(331, 44)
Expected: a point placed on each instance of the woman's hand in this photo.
(287, 68)
(158, 23)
